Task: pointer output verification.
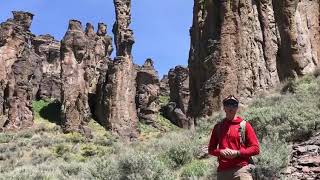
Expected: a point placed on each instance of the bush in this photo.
(89, 150)
(180, 154)
(194, 170)
(28, 172)
(137, 165)
(71, 169)
(104, 168)
(293, 115)
(61, 150)
(164, 100)
(75, 137)
(39, 157)
(269, 164)
(5, 137)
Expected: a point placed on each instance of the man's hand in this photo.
(229, 153)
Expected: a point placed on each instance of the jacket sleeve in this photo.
(252, 145)
(213, 144)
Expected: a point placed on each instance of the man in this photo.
(226, 143)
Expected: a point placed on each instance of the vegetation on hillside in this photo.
(44, 152)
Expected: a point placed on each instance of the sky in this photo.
(161, 27)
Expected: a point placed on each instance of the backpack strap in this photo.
(242, 132)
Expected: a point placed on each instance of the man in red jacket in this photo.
(225, 143)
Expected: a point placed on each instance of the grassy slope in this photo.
(44, 152)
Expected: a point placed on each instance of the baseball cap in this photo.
(230, 100)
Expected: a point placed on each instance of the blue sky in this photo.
(161, 27)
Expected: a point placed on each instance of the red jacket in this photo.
(229, 138)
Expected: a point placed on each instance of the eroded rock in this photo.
(74, 93)
(20, 72)
(49, 50)
(244, 47)
(148, 90)
(176, 110)
(118, 112)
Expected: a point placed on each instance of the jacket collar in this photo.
(236, 120)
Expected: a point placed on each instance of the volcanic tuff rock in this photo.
(99, 51)
(148, 90)
(49, 51)
(243, 47)
(176, 110)
(74, 92)
(179, 87)
(20, 72)
(119, 109)
(164, 86)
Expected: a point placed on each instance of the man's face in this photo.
(231, 109)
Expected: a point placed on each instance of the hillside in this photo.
(286, 116)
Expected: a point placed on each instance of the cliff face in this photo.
(20, 72)
(242, 47)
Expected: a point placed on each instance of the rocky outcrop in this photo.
(179, 87)
(305, 160)
(298, 22)
(176, 110)
(85, 57)
(99, 51)
(244, 47)
(49, 51)
(74, 92)
(147, 96)
(118, 105)
(164, 86)
(98, 56)
(20, 72)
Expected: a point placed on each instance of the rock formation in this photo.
(305, 160)
(74, 91)
(164, 86)
(20, 72)
(99, 50)
(179, 87)
(243, 47)
(176, 110)
(147, 96)
(49, 51)
(118, 105)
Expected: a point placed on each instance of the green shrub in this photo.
(293, 115)
(180, 154)
(5, 137)
(164, 100)
(38, 141)
(24, 134)
(194, 170)
(71, 169)
(39, 157)
(274, 154)
(104, 168)
(138, 165)
(89, 150)
(61, 150)
(28, 172)
(75, 137)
